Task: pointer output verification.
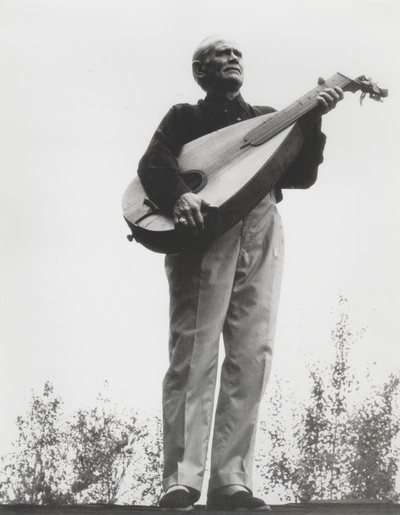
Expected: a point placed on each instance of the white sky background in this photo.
(83, 85)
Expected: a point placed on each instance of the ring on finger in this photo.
(181, 220)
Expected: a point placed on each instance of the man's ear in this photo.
(198, 69)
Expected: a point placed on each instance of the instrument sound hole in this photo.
(195, 179)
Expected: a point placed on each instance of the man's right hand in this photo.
(188, 213)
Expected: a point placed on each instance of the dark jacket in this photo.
(158, 169)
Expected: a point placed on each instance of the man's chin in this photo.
(232, 83)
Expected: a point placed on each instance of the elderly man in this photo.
(231, 287)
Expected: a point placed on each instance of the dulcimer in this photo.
(233, 169)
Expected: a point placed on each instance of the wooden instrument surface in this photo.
(234, 168)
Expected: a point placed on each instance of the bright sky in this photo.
(84, 83)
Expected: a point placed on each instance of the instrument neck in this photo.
(308, 101)
(282, 119)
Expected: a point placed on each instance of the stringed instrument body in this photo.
(233, 169)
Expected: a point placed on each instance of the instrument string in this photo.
(275, 124)
(293, 112)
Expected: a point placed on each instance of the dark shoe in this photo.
(240, 501)
(179, 500)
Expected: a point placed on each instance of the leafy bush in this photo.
(336, 444)
(99, 455)
(343, 445)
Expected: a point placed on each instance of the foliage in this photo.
(335, 444)
(344, 446)
(149, 473)
(34, 473)
(322, 433)
(96, 456)
(373, 429)
(274, 459)
(103, 451)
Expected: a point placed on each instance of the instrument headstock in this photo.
(366, 86)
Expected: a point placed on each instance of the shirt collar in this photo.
(224, 102)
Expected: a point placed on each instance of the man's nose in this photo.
(233, 57)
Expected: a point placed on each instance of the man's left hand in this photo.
(328, 98)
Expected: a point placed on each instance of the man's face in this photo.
(223, 67)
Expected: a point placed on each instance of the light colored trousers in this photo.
(232, 288)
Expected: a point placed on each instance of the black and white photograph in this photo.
(200, 255)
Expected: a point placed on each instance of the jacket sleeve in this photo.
(303, 172)
(158, 169)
